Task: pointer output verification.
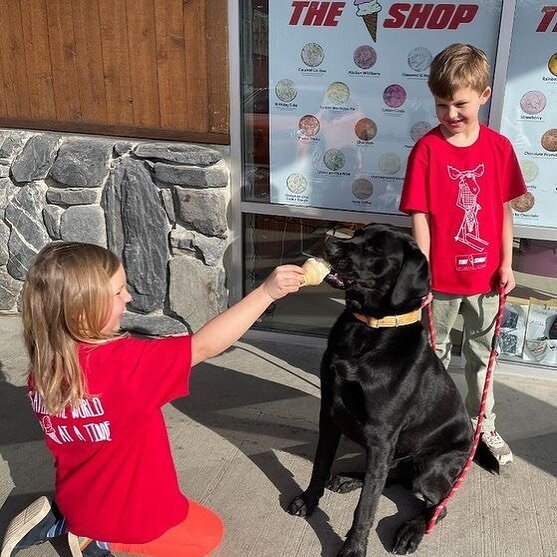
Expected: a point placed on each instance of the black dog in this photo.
(383, 386)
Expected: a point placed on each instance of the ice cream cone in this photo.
(371, 23)
(316, 270)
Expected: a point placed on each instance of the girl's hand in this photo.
(506, 279)
(283, 280)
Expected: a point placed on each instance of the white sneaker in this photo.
(497, 447)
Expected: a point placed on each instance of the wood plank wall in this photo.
(134, 68)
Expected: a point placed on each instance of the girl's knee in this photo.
(214, 534)
(210, 529)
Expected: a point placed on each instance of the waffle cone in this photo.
(316, 270)
(371, 23)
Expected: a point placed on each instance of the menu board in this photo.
(348, 94)
(530, 110)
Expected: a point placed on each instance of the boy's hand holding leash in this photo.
(506, 279)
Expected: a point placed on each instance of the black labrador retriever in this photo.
(383, 386)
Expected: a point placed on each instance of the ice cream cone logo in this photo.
(49, 430)
(368, 10)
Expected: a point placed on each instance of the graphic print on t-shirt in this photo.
(46, 424)
(468, 190)
(469, 230)
(74, 424)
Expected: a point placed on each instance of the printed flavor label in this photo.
(471, 262)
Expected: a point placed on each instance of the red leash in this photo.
(488, 380)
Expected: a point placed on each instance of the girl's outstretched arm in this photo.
(224, 329)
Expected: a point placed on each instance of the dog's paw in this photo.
(344, 484)
(301, 506)
(408, 537)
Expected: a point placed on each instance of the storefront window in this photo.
(529, 327)
(274, 240)
(334, 102)
(335, 96)
(255, 98)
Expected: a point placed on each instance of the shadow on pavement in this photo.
(24, 450)
(259, 416)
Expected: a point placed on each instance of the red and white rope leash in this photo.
(487, 384)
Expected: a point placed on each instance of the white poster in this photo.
(348, 94)
(530, 109)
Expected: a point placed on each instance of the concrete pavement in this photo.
(244, 442)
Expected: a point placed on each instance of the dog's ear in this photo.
(413, 281)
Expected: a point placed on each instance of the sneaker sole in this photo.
(506, 459)
(75, 546)
(23, 523)
(73, 542)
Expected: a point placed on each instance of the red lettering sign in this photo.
(549, 13)
(429, 16)
(316, 13)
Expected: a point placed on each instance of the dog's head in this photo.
(382, 270)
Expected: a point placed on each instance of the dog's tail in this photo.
(485, 459)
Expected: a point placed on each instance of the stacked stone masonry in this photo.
(160, 207)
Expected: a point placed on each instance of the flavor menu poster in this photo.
(530, 110)
(348, 94)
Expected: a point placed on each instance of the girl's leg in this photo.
(445, 309)
(198, 535)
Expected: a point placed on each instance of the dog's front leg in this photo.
(329, 437)
(374, 481)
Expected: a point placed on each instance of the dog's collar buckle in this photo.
(390, 320)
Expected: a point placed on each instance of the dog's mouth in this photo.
(334, 280)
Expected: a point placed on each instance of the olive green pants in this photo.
(479, 313)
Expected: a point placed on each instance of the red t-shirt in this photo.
(463, 190)
(115, 476)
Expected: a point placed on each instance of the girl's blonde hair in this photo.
(66, 300)
(458, 66)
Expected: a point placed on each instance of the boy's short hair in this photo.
(456, 67)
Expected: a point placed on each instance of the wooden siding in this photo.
(135, 68)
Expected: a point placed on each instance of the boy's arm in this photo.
(224, 329)
(420, 231)
(506, 275)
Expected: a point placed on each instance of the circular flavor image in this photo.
(389, 163)
(312, 54)
(419, 59)
(365, 57)
(286, 90)
(334, 159)
(309, 125)
(296, 183)
(365, 129)
(338, 93)
(362, 188)
(549, 140)
(523, 203)
(419, 129)
(394, 95)
(533, 102)
(552, 64)
(529, 170)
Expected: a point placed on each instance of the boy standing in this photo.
(460, 179)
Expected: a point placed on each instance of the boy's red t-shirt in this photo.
(463, 189)
(115, 476)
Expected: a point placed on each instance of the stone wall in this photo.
(161, 207)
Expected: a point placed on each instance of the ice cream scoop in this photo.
(316, 270)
